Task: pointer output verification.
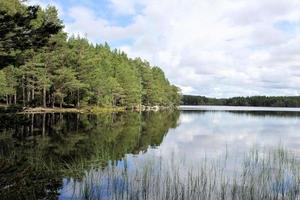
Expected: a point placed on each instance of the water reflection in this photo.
(37, 151)
(213, 133)
(43, 155)
(200, 136)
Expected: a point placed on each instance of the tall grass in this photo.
(268, 174)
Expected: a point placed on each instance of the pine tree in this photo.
(43, 67)
(19, 31)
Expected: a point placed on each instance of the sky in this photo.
(215, 48)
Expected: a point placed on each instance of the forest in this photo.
(266, 101)
(41, 66)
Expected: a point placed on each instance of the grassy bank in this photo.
(272, 174)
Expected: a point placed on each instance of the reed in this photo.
(263, 174)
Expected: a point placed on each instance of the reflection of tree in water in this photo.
(38, 150)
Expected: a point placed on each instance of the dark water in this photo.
(40, 154)
(38, 150)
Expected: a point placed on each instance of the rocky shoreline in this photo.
(153, 108)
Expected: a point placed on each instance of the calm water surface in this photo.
(44, 155)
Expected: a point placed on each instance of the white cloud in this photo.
(208, 132)
(124, 7)
(209, 47)
(223, 48)
(85, 22)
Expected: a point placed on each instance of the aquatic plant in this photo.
(263, 174)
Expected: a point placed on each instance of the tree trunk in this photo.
(32, 94)
(49, 98)
(23, 89)
(32, 123)
(28, 95)
(44, 97)
(44, 123)
(28, 127)
(15, 98)
(53, 100)
(78, 98)
(61, 102)
(7, 103)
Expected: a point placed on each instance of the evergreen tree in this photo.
(24, 28)
(43, 67)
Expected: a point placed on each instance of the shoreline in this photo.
(37, 110)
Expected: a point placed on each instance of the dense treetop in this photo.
(42, 66)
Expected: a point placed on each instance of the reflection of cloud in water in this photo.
(185, 119)
(212, 133)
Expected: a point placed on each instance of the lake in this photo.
(53, 156)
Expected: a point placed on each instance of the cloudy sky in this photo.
(217, 48)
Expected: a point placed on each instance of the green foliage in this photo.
(56, 70)
(2, 83)
(7, 84)
(23, 29)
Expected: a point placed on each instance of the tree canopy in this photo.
(24, 28)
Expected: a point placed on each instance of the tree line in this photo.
(41, 66)
(267, 101)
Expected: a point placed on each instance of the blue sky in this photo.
(101, 9)
(210, 47)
